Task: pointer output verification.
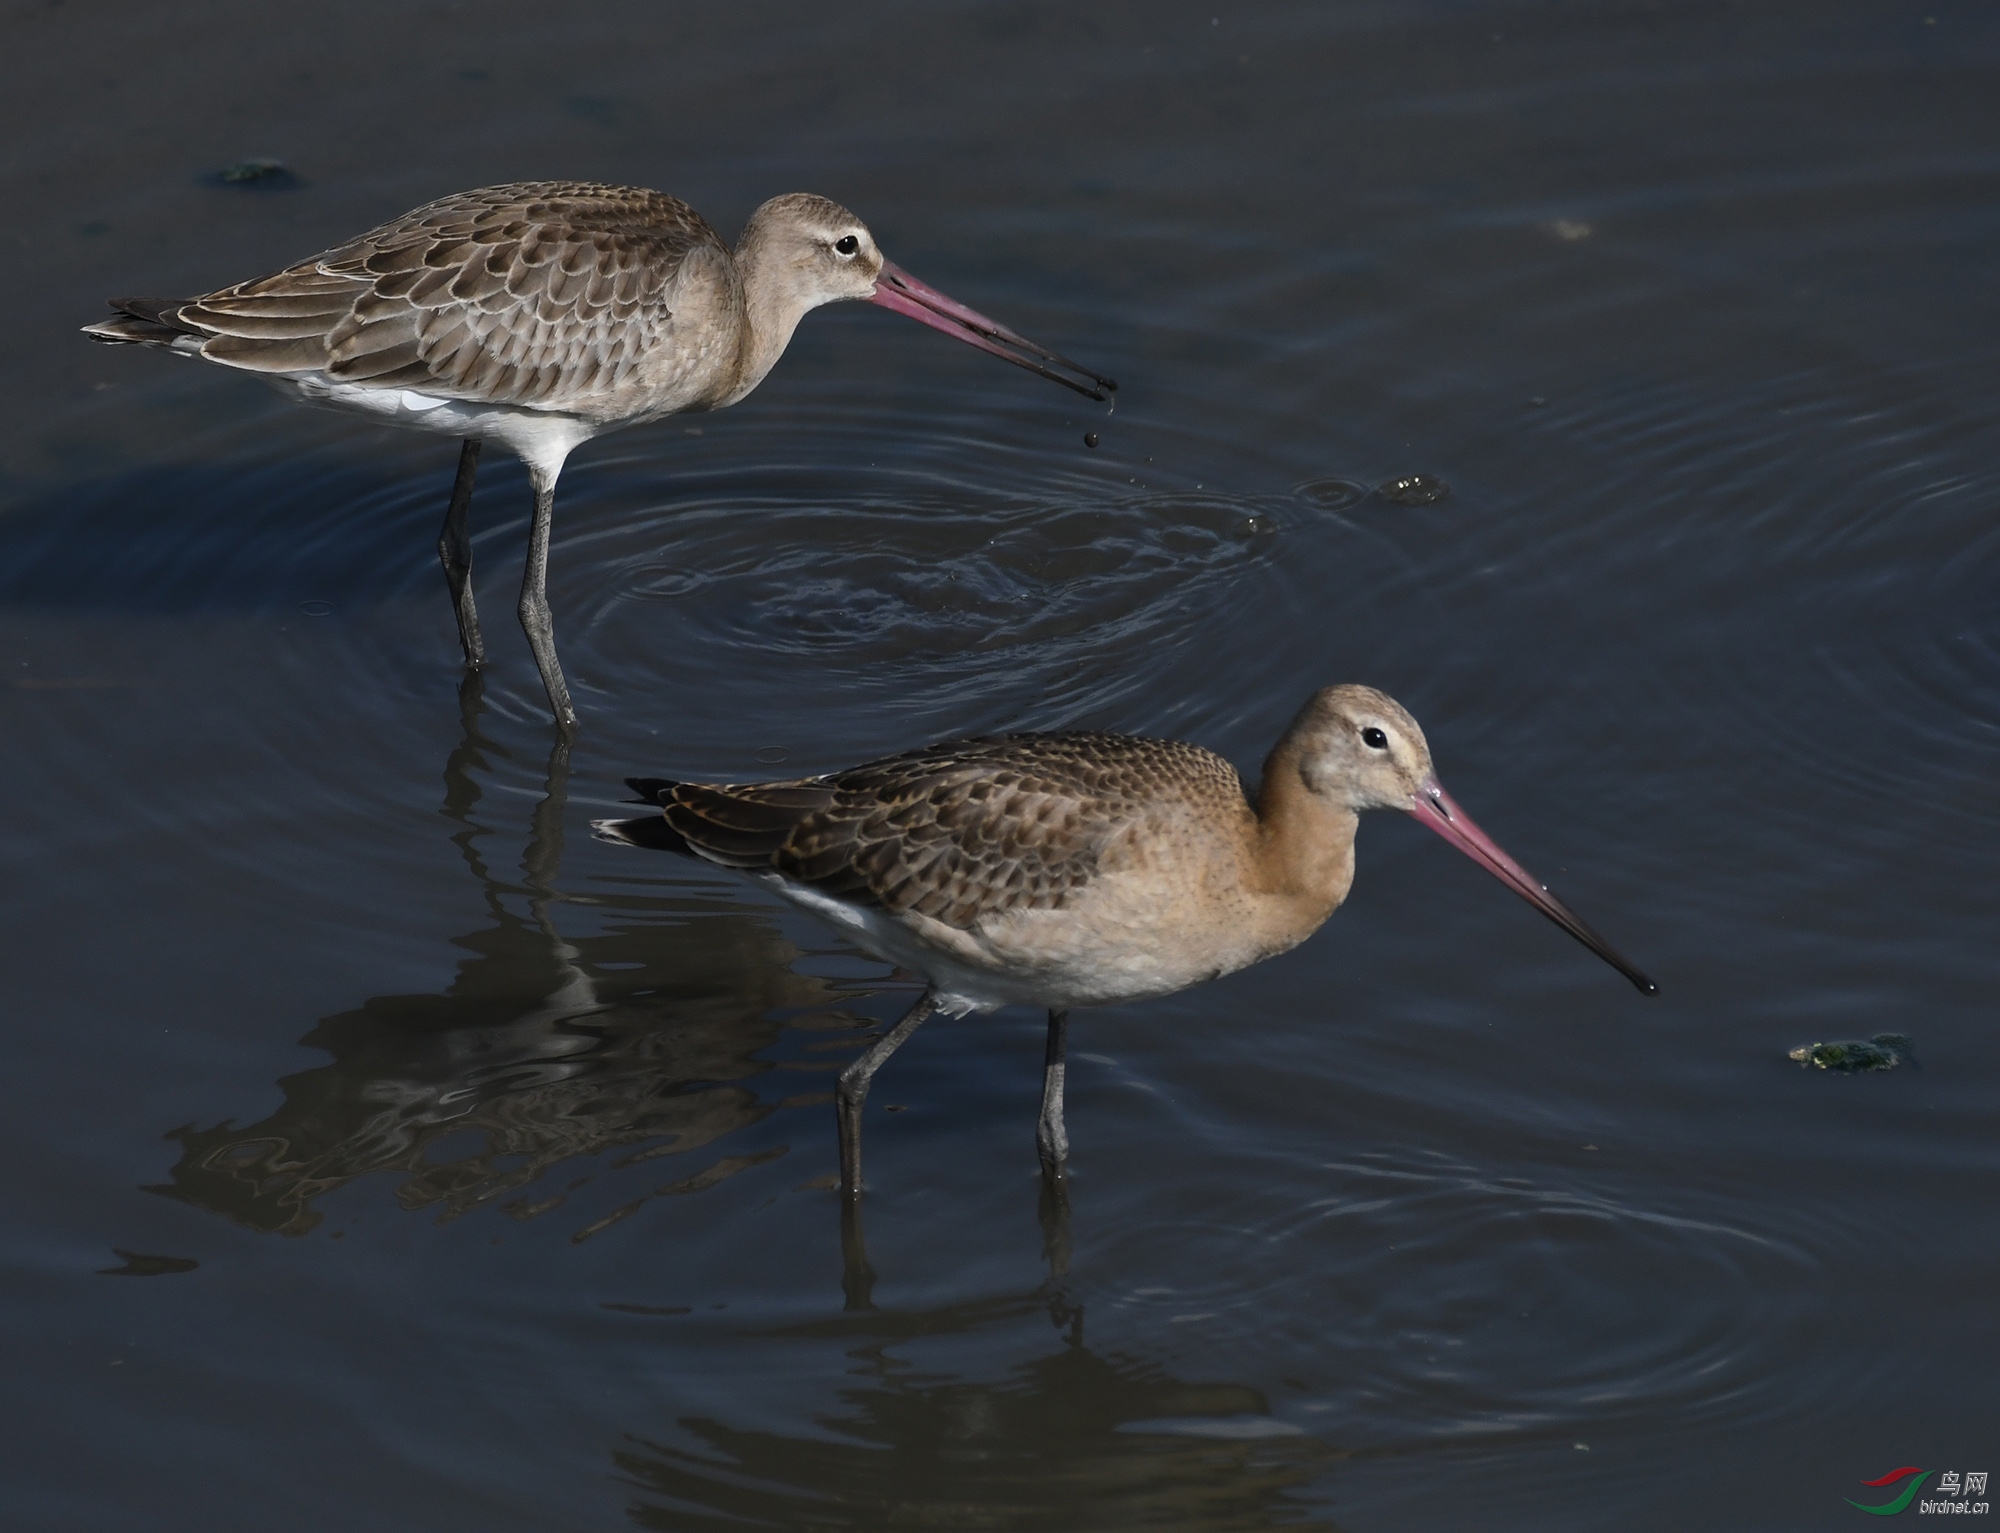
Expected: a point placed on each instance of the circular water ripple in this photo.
(993, 596)
(1449, 1300)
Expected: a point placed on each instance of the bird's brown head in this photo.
(1361, 748)
(823, 252)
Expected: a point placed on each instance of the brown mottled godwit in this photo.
(1061, 870)
(540, 314)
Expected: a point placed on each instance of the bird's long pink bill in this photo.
(1435, 807)
(896, 289)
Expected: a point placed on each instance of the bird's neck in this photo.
(774, 301)
(1303, 851)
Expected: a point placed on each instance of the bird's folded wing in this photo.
(523, 295)
(958, 832)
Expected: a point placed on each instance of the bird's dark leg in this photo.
(1050, 1136)
(455, 553)
(857, 1276)
(535, 602)
(1053, 1211)
(852, 1091)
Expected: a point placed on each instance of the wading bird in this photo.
(1062, 870)
(541, 314)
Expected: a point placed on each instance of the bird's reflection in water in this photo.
(1073, 1439)
(543, 1048)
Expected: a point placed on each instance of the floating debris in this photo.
(1884, 1051)
(267, 175)
(1090, 439)
(1414, 490)
(1333, 493)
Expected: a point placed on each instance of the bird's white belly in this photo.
(540, 438)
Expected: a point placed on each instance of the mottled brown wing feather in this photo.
(957, 831)
(517, 294)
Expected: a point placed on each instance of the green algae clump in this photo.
(1884, 1051)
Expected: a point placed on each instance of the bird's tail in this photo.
(651, 830)
(147, 322)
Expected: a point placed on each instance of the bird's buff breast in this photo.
(1119, 940)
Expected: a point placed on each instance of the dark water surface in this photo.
(384, 1153)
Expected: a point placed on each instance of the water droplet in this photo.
(771, 755)
(316, 608)
(1414, 490)
(1090, 439)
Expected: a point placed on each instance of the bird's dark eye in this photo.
(847, 244)
(1374, 739)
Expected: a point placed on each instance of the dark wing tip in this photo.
(651, 790)
(649, 831)
(158, 311)
(141, 321)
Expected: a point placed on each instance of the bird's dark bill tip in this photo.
(1437, 809)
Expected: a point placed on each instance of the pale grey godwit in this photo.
(1061, 870)
(541, 314)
